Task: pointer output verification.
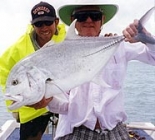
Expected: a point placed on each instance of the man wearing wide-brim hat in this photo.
(94, 111)
(99, 12)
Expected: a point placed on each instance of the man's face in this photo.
(89, 21)
(45, 30)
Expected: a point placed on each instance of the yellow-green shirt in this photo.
(22, 48)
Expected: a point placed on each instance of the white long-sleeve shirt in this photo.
(90, 102)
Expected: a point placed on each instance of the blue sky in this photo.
(15, 15)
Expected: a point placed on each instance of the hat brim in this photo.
(109, 10)
(44, 18)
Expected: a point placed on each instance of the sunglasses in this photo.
(41, 23)
(83, 15)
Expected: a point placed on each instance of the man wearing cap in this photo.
(94, 112)
(44, 27)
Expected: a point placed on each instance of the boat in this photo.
(10, 130)
(141, 130)
(137, 131)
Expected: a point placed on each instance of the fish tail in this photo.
(142, 35)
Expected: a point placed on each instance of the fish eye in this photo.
(14, 82)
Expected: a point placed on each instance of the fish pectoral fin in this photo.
(53, 90)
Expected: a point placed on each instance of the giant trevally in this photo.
(57, 68)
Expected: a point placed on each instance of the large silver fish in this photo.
(54, 70)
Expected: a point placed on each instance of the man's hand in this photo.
(41, 104)
(110, 34)
(131, 31)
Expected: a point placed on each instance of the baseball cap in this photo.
(43, 11)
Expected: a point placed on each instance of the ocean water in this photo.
(139, 91)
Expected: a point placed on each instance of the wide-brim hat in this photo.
(65, 12)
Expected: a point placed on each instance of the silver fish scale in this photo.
(65, 63)
(68, 55)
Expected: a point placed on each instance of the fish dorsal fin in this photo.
(71, 34)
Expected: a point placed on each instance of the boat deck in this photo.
(15, 135)
(10, 131)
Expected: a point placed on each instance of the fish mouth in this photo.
(15, 100)
(13, 104)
